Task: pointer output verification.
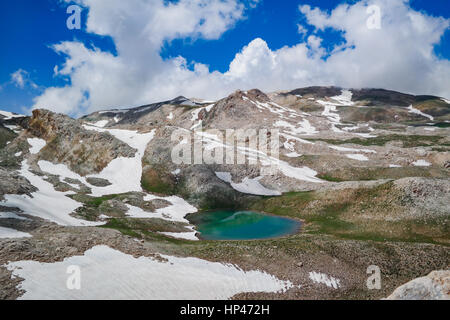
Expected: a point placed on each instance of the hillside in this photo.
(365, 171)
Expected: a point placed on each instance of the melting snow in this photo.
(196, 113)
(170, 116)
(209, 107)
(358, 157)
(183, 235)
(421, 163)
(411, 109)
(248, 186)
(11, 215)
(110, 274)
(345, 98)
(7, 233)
(46, 203)
(352, 149)
(394, 166)
(100, 124)
(36, 144)
(322, 278)
(304, 173)
(293, 155)
(124, 173)
(288, 136)
(304, 128)
(9, 115)
(176, 211)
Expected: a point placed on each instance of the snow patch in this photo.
(421, 163)
(176, 211)
(183, 235)
(110, 274)
(36, 145)
(9, 115)
(345, 99)
(46, 203)
(322, 278)
(411, 109)
(11, 215)
(7, 233)
(358, 157)
(100, 124)
(123, 173)
(248, 186)
(343, 149)
(293, 155)
(304, 128)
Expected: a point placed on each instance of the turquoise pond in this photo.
(242, 225)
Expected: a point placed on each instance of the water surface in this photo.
(242, 225)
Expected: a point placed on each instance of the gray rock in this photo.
(98, 182)
(435, 286)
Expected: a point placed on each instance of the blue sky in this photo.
(30, 27)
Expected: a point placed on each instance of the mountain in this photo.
(365, 171)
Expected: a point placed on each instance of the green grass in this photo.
(340, 216)
(97, 202)
(328, 177)
(409, 141)
(156, 178)
(157, 186)
(122, 226)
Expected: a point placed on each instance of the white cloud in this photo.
(18, 78)
(399, 56)
(21, 78)
(301, 29)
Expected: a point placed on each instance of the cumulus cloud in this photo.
(398, 56)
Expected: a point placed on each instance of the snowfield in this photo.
(46, 203)
(110, 274)
(123, 173)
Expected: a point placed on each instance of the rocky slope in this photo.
(366, 171)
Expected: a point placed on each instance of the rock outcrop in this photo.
(435, 286)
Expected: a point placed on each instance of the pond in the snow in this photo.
(242, 225)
